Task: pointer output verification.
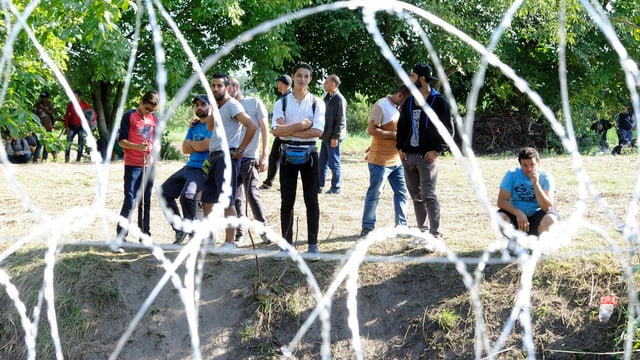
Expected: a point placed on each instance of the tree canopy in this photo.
(91, 43)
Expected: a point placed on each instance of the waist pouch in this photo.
(207, 165)
(297, 154)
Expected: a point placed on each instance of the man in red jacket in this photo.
(73, 125)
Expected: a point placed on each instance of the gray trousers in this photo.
(421, 177)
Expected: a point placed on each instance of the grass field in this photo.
(57, 202)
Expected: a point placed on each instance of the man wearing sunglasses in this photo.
(137, 130)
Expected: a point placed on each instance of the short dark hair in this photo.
(528, 153)
(302, 65)
(404, 89)
(222, 76)
(150, 97)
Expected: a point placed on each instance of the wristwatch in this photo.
(240, 151)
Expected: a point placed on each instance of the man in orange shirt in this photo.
(384, 161)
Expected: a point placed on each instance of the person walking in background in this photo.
(298, 119)
(254, 159)
(625, 123)
(136, 134)
(526, 196)
(44, 111)
(73, 126)
(187, 182)
(284, 88)
(18, 151)
(335, 130)
(384, 161)
(233, 119)
(419, 144)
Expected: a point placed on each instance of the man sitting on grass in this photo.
(526, 195)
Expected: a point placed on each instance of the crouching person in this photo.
(526, 197)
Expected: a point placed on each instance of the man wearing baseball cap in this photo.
(284, 88)
(419, 143)
(187, 182)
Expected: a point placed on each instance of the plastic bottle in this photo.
(607, 304)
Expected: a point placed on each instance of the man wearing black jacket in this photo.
(419, 143)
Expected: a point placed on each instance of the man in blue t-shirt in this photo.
(526, 195)
(187, 182)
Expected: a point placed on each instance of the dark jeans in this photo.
(132, 180)
(185, 183)
(288, 187)
(19, 159)
(329, 158)
(73, 131)
(274, 161)
(248, 192)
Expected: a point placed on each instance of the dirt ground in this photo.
(410, 304)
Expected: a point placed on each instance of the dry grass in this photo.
(407, 310)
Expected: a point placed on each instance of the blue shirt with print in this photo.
(196, 133)
(520, 186)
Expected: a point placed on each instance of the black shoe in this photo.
(333, 191)
(365, 232)
(180, 236)
(264, 186)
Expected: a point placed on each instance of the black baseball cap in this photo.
(201, 97)
(423, 69)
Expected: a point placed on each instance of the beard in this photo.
(202, 113)
(218, 96)
(418, 84)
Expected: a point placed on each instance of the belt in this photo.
(293, 142)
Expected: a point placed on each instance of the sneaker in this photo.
(265, 239)
(403, 231)
(228, 246)
(281, 256)
(429, 248)
(264, 186)
(334, 191)
(417, 242)
(119, 250)
(240, 241)
(179, 238)
(314, 251)
(365, 232)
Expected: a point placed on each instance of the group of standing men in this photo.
(404, 150)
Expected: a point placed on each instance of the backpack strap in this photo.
(284, 105)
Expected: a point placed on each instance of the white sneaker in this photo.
(403, 231)
(417, 242)
(281, 256)
(240, 242)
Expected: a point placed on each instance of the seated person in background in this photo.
(18, 151)
(526, 195)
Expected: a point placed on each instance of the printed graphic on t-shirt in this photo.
(525, 192)
(145, 131)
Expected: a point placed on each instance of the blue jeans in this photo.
(132, 180)
(329, 158)
(421, 177)
(377, 176)
(73, 130)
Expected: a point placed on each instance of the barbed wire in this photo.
(54, 231)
